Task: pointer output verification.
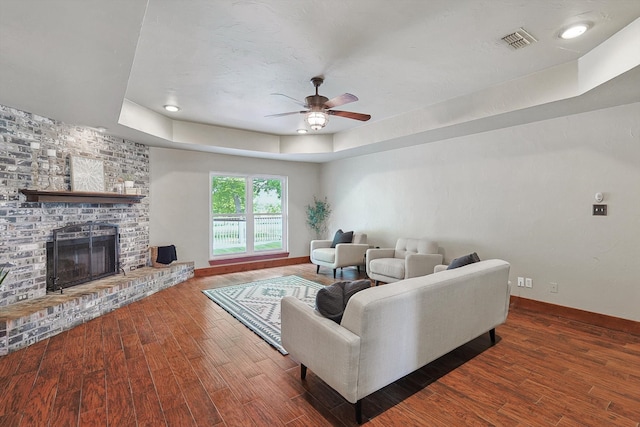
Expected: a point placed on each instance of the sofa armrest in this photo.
(351, 253)
(317, 244)
(380, 253)
(440, 267)
(421, 264)
(329, 350)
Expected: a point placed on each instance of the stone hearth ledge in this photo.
(28, 322)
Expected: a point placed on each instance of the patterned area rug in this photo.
(257, 304)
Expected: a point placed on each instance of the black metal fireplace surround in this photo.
(81, 253)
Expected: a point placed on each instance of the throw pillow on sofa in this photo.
(332, 300)
(463, 260)
(342, 237)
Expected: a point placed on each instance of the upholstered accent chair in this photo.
(410, 258)
(342, 255)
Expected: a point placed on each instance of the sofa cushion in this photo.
(390, 267)
(325, 255)
(342, 237)
(359, 238)
(406, 246)
(463, 260)
(332, 300)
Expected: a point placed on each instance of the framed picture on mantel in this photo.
(87, 174)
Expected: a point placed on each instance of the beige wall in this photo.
(179, 207)
(523, 194)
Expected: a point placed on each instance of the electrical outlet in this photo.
(528, 282)
(22, 297)
(600, 210)
(553, 288)
(520, 282)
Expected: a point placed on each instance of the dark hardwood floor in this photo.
(177, 359)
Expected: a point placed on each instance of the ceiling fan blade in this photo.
(350, 115)
(345, 98)
(302, 104)
(287, 114)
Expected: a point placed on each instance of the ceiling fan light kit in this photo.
(319, 107)
(317, 120)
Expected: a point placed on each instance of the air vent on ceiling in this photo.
(519, 39)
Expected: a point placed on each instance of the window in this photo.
(248, 215)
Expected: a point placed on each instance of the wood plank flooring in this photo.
(177, 359)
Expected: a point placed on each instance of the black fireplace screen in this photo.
(81, 253)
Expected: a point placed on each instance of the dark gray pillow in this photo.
(342, 237)
(463, 260)
(332, 300)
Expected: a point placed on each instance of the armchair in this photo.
(410, 258)
(342, 255)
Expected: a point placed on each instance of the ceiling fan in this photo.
(319, 107)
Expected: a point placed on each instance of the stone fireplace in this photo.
(27, 143)
(30, 144)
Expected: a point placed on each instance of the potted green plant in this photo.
(317, 216)
(128, 180)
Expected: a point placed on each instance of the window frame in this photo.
(250, 216)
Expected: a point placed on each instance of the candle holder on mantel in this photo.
(35, 165)
(52, 166)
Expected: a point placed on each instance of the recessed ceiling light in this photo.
(101, 129)
(302, 131)
(574, 31)
(172, 108)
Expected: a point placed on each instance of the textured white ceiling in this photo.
(221, 60)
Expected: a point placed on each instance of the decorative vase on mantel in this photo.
(35, 165)
(52, 167)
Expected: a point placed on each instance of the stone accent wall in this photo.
(26, 227)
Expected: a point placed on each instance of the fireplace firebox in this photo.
(81, 253)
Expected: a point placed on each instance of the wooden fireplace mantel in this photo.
(79, 197)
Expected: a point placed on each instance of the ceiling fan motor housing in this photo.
(316, 101)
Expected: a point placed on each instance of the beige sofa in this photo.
(390, 331)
